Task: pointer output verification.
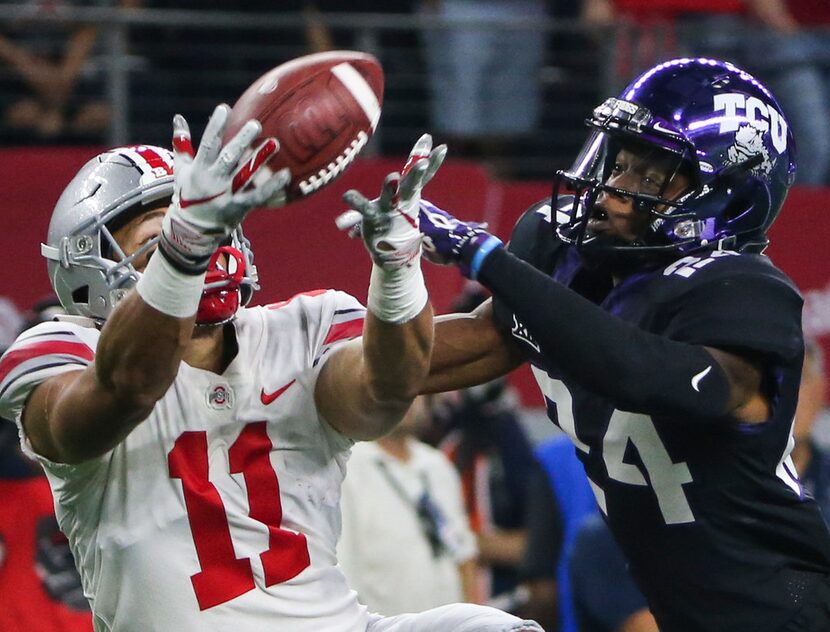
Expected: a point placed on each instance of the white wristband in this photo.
(397, 295)
(169, 291)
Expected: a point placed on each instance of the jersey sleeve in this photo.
(38, 354)
(748, 309)
(47, 350)
(336, 318)
(332, 318)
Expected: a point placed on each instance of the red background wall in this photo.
(299, 248)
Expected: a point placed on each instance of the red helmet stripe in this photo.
(154, 158)
(148, 159)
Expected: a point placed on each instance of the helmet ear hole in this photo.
(81, 294)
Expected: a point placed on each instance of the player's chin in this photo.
(606, 239)
(607, 230)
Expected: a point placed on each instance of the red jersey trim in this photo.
(340, 331)
(15, 358)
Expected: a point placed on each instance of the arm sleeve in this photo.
(532, 241)
(38, 354)
(636, 370)
(339, 319)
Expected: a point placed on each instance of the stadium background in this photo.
(154, 61)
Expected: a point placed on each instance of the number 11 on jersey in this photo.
(222, 576)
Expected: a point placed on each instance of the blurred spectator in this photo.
(656, 30)
(483, 435)
(10, 321)
(40, 589)
(795, 41)
(811, 460)
(794, 63)
(484, 78)
(604, 594)
(559, 501)
(54, 61)
(406, 544)
(13, 464)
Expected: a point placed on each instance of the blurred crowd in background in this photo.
(467, 504)
(507, 82)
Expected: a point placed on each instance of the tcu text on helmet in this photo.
(754, 110)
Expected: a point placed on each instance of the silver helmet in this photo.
(87, 268)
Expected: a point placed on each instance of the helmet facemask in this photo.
(623, 128)
(728, 137)
(229, 283)
(89, 271)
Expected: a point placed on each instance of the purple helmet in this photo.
(729, 137)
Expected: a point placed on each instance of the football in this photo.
(323, 108)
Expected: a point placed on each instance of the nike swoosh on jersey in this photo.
(696, 378)
(267, 398)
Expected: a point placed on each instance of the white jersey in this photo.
(221, 510)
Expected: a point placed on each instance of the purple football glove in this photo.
(448, 240)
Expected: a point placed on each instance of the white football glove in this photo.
(389, 224)
(215, 189)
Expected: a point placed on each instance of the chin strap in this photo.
(221, 293)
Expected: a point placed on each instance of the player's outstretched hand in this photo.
(215, 187)
(389, 223)
(450, 241)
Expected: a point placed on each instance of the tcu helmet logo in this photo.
(219, 396)
(749, 142)
(757, 114)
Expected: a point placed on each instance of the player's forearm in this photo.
(76, 416)
(139, 352)
(397, 360)
(367, 386)
(468, 350)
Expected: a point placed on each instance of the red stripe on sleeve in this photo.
(349, 329)
(279, 304)
(14, 358)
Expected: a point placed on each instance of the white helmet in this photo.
(88, 270)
